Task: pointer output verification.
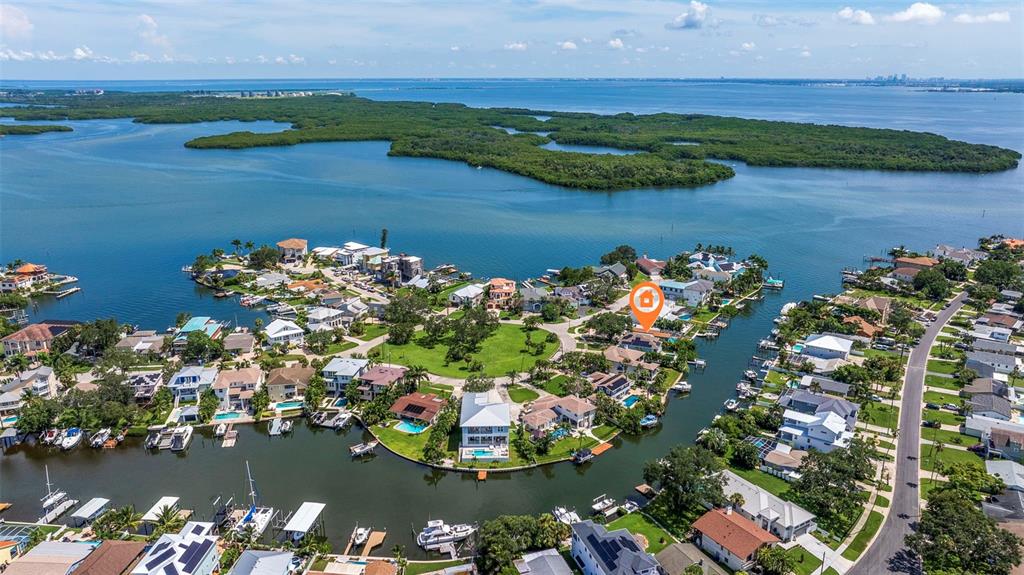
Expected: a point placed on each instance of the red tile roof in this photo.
(43, 331)
(737, 534)
(292, 244)
(421, 406)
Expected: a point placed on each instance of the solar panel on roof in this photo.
(416, 409)
(197, 529)
(630, 544)
(198, 555)
(159, 559)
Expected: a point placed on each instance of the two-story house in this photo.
(340, 371)
(284, 332)
(484, 421)
(823, 431)
(378, 379)
(500, 293)
(235, 387)
(811, 403)
(191, 381)
(286, 383)
(35, 338)
(41, 382)
(191, 551)
(731, 538)
(784, 519)
(598, 551)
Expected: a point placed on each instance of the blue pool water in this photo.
(726, 301)
(559, 433)
(289, 405)
(341, 402)
(629, 401)
(483, 453)
(223, 416)
(798, 348)
(10, 419)
(410, 427)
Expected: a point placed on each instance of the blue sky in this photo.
(151, 39)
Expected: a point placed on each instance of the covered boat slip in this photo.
(304, 520)
(150, 518)
(90, 511)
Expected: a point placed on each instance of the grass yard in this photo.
(770, 483)
(372, 331)
(942, 366)
(556, 385)
(928, 484)
(943, 382)
(881, 500)
(879, 353)
(943, 416)
(638, 523)
(830, 571)
(521, 394)
(500, 353)
(340, 347)
(604, 432)
(439, 389)
(418, 568)
(671, 376)
(929, 457)
(804, 562)
(948, 437)
(940, 398)
(860, 541)
(881, 414)
(776, 378)
(406, 444)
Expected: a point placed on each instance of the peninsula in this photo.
(670, 150)
(30, 129)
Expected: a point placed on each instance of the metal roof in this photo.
(94, 506)
(304, 518)
(154, 511)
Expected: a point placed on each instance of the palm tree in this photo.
(237, 244)
(736, 500)
(127, 519)
(168, 520)
(416, 375)
(937, 448)
(249, 246)
(512, 376)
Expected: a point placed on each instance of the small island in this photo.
(31, 129)
(669, 150)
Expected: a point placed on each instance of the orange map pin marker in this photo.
(646, 300)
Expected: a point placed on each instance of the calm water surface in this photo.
(124, 206)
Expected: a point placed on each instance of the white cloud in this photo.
(919, 12)
(641, 50)
(616, 44)
(229, 60)
(149, 31)
(516, 46)
(140, 57)
(261, 59)
(280, 60)
(748, 46)
(292, 58)
(771, 21)
(851, 16)
(567, 45)
(692, 19)
(455, 48)
(14, 23)
(82, 53)
(991, 17)
(805, 54)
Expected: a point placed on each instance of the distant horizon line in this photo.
(520, 78)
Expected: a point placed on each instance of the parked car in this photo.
(876, 397)
(961, 346)
(951, 406)
(931, 423)
(932, 406)
(977, 448)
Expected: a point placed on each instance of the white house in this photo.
(1011, 472)
(283, 331)
(41, 381)
(822, 431)
(191, 381)
(470, 295)
(827, 346)
(256, 562)
(325, 319)
(341, 371)
(784, 519)
(191, 551)
(694, 292)
(485, 421)
(598, 551)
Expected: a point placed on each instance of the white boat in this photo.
(731, 405)
(182, 437)
(152, 440)
(750, 374)
(742, 387)
(252, 300)
(682, 387)
(601, 503)
(257, 518)
(50, 436)
(629, 506)
(72, 437)
(360, 535)
(286, 426)
(363, 449)
(220, 430)
(565, 515)
(437, 533)
(100, 437)
(55, 503)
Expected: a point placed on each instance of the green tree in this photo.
(744, 455)
(265, 257)
(316, 390)
(609, 325)
(687, 476)
(774, 561)
(1000, 273)
(260, 402)
(208, 404)
(932, 284)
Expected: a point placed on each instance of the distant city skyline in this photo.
(189, 39)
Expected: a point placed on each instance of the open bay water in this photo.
(123, 206)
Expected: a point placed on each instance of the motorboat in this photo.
(252, 300)
(152, 440)
(220, 430)
(181, 438)
(582, 456)
(257, 518)
(49, 437)
(100, 437)
(649, 421)
(286, 426)
(363, 448)
(750, 374)
(72, 437)
(602, 503)
(682, 387)
(731, 405)
(438, 533)
(360, 535)
(565, 515)
(629, 506)
(742, 387)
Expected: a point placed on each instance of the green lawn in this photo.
(940, 398)
(928, 484)
(942, 366)
(556, 385)
(804, 562)
(638, 279)
(881, 414)
(409, 445)
(604, 432)
(520, 394)
(439, 389)
(947, 437)
(943, 382)
(860, 541)
(929, 456)
(879, 353)
(372, 331)
(671, 376)
(943, 416)
(881, 500)
(776, 378)
(502, 352)
(637, 523)
(831, 571)
(340, 347)
(767, 482)
(418, 568)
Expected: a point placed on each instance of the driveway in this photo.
(888, 553)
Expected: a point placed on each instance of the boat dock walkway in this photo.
(63, 293)
(375, 539)
(599, 449)
(230, 437)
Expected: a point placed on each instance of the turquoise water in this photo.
(410, 427)
(798, 347)
(227, 416)
(10, 419)
(483, 453)
(631, 400)
(342, 402)
(289, 405)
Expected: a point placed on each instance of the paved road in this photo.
(888, 553)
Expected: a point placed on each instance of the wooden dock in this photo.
(376, 540)
(63, 293)
(230, 437)
(481, 475)
(598, 450)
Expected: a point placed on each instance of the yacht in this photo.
(100, 437)
(181, 438)
(742, 387)
(682, 387)
(437, 533)
(257, 518)
(72, 437)
(360, 535)
(565, 515)
(602, 502)
(649, 420)
(220, 430)
(731, 405)
(750, 374)
(363, 449)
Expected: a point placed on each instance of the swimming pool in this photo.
(482, 453)
(410, 427)
(631, 400)
(798, 348)
(229, 415)
(726, 301)
(10, 420)
(559, 433)
(288, 405)
(341, 402)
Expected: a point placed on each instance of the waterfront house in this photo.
(34, 273)
(693, 293)
(13, 283)
(239, 343)
(235, 387)
(292, 249)
(615, 272)
(325, 252)
(642, 342)
(35, 337)
(191, 381)
(614, 385)
(500, 293)
(191, 551)
(548, 412)
(371, 260)
(824, 431)
(539, 422)
(112, 558)
(144, 342)
(353, 309)
(284, 383)
(467, 296)
(879, 304)
(418, 408)
(863, 327)
(41, 382)
(257, 562)
(484, 421)
(50, 558)
(964, 255)
(533, 298)
(144, 384)
(271, 280)
(350, 253)
(783, 462)
(825, 384)
(648, 266)
(378, 379)
(306, 287)
(915, 262)
(284, 332)
(810, 403)
(341, 371)
(212, 328)
(409, 267)
(677, 557)
(543, 562)
(825, 346)
(576, 296)
(731, 538)
(904, 274)
(325, 319)
(784, 519)
(598, 551)
(625, 360)
(991, 405)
